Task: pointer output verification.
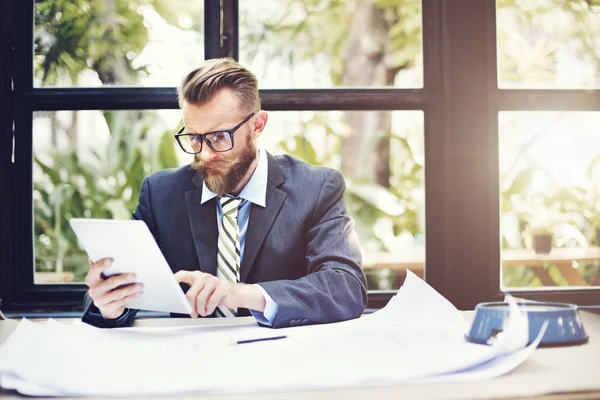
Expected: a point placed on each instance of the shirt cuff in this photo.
(123, 316)
(271, 308)
(95, 318)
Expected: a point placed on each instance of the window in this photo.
(550, 197)
(90, 164)
(431, 105)
(89, 43)
(548, 45)
(306, 44)
(98, 116)
(549, 177)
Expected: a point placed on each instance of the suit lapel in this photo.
(262, 218)
(203, 223)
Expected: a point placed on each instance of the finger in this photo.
(205, 293)
(118, 294)
(192, 293)
(184, 276)
(117, 280)
(109, 297)
(214, 300)
(112, 283)
(94, 275)
(123, 302)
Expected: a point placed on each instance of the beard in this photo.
(230, 172)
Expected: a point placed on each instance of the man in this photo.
(248, 232)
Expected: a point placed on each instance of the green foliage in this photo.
(545, 25)
(536, 30)
(96, 185)
(405, 32)
(74, 35)
(105, 36)
(318, 30)
(303, 30)
(571, 213)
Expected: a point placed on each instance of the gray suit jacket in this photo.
(301, 247)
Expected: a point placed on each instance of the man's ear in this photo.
(260, 121)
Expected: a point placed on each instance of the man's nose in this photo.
(206, 153)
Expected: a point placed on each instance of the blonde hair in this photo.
(213, 75)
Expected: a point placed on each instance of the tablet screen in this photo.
(133, 249)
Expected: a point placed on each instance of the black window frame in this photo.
(460, 101)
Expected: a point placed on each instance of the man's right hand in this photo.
(110, 295)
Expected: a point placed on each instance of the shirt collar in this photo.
(255, 190)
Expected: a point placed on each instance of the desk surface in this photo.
(550, 374)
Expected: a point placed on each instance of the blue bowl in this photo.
(564, 323)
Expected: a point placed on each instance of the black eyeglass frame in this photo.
(203, 136)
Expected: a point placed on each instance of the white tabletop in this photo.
(551, 373)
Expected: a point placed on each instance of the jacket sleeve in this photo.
(334, 288)
(91, 313)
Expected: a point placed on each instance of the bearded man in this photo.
(247, 232)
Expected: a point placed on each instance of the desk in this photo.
(563, 258)
(550, 374)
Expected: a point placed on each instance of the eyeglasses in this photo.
(219, 141)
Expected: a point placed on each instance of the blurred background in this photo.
(91, 163)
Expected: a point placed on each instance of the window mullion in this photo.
(114, 98)
(212, 29)
(6, 145)
(466, 248)
(22, 266)
(230, 43)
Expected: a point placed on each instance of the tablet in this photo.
(133, 249)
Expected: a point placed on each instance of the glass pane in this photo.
(381, 155)
(88, 43)
(91, 164)
(548, 44)
(550, 199)
(316, 44)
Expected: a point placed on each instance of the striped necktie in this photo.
(228, 249)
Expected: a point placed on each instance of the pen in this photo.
(260, 339)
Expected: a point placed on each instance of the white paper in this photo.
(417, 337)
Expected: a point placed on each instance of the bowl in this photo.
(564, 323)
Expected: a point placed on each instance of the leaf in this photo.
(171, 11)
(306, 149)
(521, 182)
(404, 143)
(77, 205)
(591, 168)
(50, 172)
(167, 157)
